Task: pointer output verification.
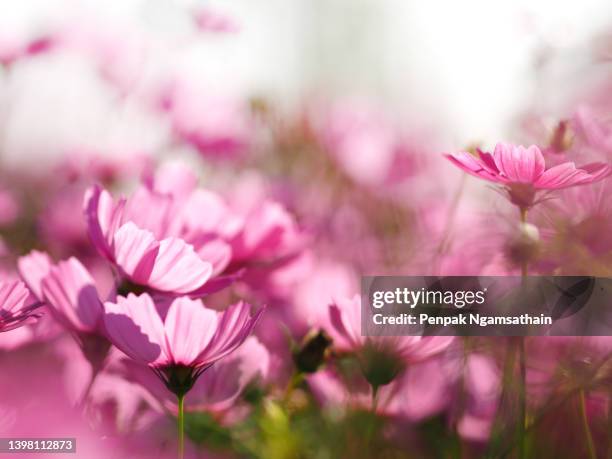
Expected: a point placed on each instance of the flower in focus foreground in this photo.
(523, 171)
(178, 342)
(16, 307)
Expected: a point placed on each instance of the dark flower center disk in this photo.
(179, 379)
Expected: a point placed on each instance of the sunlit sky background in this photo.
(466, 67)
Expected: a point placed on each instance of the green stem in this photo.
(522, 389)
(294, 381)
(372, 422)
(181, 427)
(585, 425)
(374, 399)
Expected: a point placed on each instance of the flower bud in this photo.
(561, 138)
(311, 354)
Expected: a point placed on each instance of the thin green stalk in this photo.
(181, 427)
(374, 399)
(294, 381)
(585, 424)
(372, 422)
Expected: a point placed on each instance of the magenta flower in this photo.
(13, 49)
(9, 208)
(413, 395)
(16, 305)
(180, 344)
(345, 330)
(217, 393)
(71, 292)
(33, 268)
(591, 130)
(522, 171)
(208, 20)
(382, 359)
(144, 256)
(158, 237)
(218, 126)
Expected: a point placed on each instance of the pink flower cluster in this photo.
(195, 290)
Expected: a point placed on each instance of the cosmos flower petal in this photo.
(189, 328)
(103, 217)
(135, 251)
(70, 290)
(177, 268)
(15, 307)
(135, 327)
(33, 268)
(234, 326)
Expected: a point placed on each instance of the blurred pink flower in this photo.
(217, 126)
(12, 49)
(420, 392)
(118, 53)
(180, 343)
(267, 236)
(269, 233)
(71, 292)
(322, 281)
(364, 142)
(594, 132)
(9, 208)
(345, 330)
(33, 268)
(17, 306)
(167, 265)
(523, 171)
(208, 20)
(481, 381)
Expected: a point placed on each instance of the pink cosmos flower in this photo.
(414, 395)
(208, 20)
(522, 171)
(71, 292)
(143, 256)
(33, 268)
(268, 235)
(16, 305)
(217, 393)
(157, 237)
(345, 330)
(365, 143)
(217, 126)
(180, 341)
(9, 208)
(592, 131)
